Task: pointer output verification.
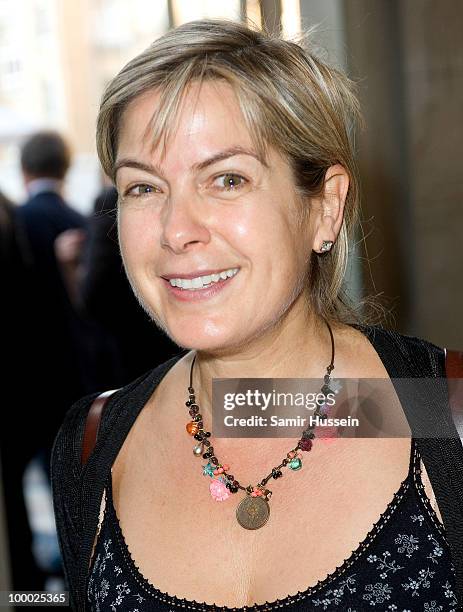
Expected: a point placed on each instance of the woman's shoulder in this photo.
(67, 447)
(409, 354)
(70, 433)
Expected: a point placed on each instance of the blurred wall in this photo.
(433, 105)
(408, 60)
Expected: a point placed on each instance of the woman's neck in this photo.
(300, 348)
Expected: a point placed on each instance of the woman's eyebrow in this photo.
(127, 162)
(219, 156)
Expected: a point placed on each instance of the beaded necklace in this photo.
(253, 511)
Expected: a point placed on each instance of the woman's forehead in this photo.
(208, 118)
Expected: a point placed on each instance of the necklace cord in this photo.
(191, 370)
(329, 368)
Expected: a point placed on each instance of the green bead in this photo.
(208, 470)
(295, 464)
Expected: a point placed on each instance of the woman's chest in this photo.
(186, 543)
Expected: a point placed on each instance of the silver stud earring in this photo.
(326, 245)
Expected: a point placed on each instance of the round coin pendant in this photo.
(252, 512)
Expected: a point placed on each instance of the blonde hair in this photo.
(290, 99)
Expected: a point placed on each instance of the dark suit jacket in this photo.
(51, 331)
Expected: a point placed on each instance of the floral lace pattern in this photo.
(403, 565)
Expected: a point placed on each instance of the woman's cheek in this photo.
(135, 236)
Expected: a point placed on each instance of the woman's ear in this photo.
(330, 210)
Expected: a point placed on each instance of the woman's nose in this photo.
(183, 223)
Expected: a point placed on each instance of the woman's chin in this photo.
(202, 341)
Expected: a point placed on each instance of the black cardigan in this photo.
(77, 491)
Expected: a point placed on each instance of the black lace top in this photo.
(403, 564)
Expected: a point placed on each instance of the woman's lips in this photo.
(195, 295)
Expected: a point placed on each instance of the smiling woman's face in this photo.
(210, 209)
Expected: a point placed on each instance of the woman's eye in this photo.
(230, 181)
(140, 190)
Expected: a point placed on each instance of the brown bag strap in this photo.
(92, 424)
(454, 369)
(454, 363)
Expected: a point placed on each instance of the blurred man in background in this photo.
(52, 363)
(44, 373)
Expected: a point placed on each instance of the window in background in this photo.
(185, 10)
(253, 12)
(119, 25)
(43, 25)
(290, 18)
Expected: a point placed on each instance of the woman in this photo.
(238, 195)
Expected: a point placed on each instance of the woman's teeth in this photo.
(202, 281)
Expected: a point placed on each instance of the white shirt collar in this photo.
(41, 185)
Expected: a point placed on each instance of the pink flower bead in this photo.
(218, 490)
(305, 444)
(226, 467)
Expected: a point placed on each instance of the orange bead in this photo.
(192, 428)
